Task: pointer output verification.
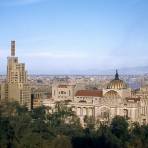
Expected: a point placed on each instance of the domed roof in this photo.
(117, 83)
(112, 94)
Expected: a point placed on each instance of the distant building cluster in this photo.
(101, 101)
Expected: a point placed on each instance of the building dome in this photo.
(117, 83)
(112, 94)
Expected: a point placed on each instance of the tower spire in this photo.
(12, 48)
(116, 75)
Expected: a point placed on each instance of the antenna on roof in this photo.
(116, 75)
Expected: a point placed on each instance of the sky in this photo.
(74, 36)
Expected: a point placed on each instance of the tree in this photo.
(61, 142)
(89, 122)
(39, 113)
(64, 121)
(139, 136)
(105, 138)
(119, 128)
(9, 109)
(7, 135)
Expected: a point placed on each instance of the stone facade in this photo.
(105, 104)
(62, 92)
(16, 87)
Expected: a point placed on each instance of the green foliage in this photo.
(38, 113)
(60, 141)
(89, 122)
(119, 127)
(64, 121)
(7, 134)
(20, 128)
(139, 136)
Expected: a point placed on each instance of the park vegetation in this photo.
(38, 128)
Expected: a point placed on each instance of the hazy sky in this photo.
(65, 36)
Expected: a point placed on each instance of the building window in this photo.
(84, 111)
(79, 111)
(125, 113)
(144, 121)
(90, 112)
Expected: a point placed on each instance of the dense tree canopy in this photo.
(39, 128)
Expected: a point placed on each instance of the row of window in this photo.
(62, 92)
(84, 111)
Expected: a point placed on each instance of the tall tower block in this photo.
(12, 48)
(18, 87)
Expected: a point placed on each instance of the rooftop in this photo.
(93, 93)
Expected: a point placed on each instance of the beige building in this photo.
(3, 92)
(142, 93)
(16, 87)
(37, 96)
(116, 99)
(105, 104)
(62, 92)
(85, 101)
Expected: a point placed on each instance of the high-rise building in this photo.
(18, 88)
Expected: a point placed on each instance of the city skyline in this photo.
(75, 36)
